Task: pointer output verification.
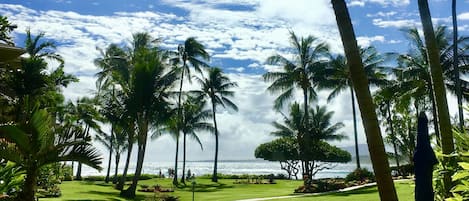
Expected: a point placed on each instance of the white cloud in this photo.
(384, 3)
(395, 23)
(382, 14)
(463, 16)
(366, 41)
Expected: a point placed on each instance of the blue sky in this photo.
(239, 35)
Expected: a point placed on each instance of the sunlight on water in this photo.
(254, 167)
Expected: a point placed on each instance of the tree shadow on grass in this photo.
(109, 196)
(204, 187)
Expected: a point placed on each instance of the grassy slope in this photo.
(224, 190)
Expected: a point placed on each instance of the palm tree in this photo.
(171, 126)
(337, 77)
(217, 88)
(297, 73)
(365, 102)
(193, 119)
(318, 127)
(439, 91)
(456, 64)
(87, 116)
(190, 54)
(118, 146)
(147, 103)
(415, 73)
(115, 65)
(38, 142)
(42, 50)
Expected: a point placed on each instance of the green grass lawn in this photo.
(223, 190)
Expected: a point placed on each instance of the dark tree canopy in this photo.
(283, 149)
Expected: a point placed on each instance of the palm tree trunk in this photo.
(121, 183)
(29, 188)
(412, 141)
(386, 189)
(394, 143)
(355, 132)
(456, 66)
(142, 142)
(110, 154)
(435, 116)
(114, 180)
(78, 176)
(178, 127)
(214, 176)
(183, 158)
(439, 91)
(305, 137)
(175, 179)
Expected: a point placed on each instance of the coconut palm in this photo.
(39, 142)
(119, 145)
(336, 76)
(318, 127)
(216, 88)
(88, 117)
(191, 54)
(297, 73)
(35, 49)
(194, 118)
(147, 102)
(439, 91)
(365, 102)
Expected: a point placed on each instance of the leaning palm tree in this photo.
(365, 102)
(216, 88)
(147, 103)
(439, 91)
(336, 76)
(39, 142)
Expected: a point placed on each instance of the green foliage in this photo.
(361, 175)
(243, 176)
(5, 29)
(11, 178)
(460, 171)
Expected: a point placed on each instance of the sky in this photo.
(238, 34)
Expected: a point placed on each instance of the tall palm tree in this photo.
(365, 102)
(194, 118)
(297, 73)
(456, 64)
(318, 126)
(114, 83)
(217, 88)
(171, 126)
(414, 70)
(439, 91)
(38, 142)
(336, 76)
(119, 146)
(147, 104)
(191, 54)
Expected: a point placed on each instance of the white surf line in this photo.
(322, 193)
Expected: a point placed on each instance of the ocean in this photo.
(236, 167)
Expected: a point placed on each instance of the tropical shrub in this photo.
(361, 175)
(11, 179)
